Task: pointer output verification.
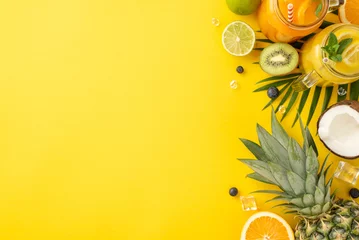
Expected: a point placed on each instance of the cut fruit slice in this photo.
(338, 129)
(301, 13)
(348, 13)
(279, 59)
(351, 55)
(266, 225)
(238, 38)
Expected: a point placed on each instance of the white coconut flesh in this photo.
(339, 130)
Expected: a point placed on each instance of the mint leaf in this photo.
(332, 39)
(344, 44)
(331, 50)
(326, 49)
(335, 48)
(339, 57)
(334, 58)
(319, 9)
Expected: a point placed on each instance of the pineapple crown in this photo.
(281, 161)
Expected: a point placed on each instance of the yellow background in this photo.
(117, 121)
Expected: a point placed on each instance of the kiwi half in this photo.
(279, 59)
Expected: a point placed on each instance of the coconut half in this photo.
(338, 129)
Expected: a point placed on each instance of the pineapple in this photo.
(281, 161)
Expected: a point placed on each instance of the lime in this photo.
(238, 38)
(243, 7)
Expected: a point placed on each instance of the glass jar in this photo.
(290, 20)
(316, 65)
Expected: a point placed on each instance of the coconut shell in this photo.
(351, 103)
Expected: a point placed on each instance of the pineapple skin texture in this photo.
(342, 222)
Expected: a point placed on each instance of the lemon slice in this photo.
(266, 225)
(351, 55)
(238, 38)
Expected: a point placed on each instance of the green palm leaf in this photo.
(316, 96)
(354, 90)
(303, 100)
(291, 96)
(284, 99)
(328, 95)
(280, 93)
(274, 84)
(292, 76)
(326, 24)
(264, 40)
(290, 104)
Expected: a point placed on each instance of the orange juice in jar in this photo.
(290, 20)
(324, 69)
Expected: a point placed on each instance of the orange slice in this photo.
(348, 13)
(266, 226)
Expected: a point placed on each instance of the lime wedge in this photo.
(238, 38)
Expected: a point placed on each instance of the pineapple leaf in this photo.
(327, 169)
(273, 192)
(296, 182)
(332, 197)
(311, 142)
(261, 168)
(323, 165)
(312, 169)
(329, 183)
(321, 184)
(314, 104)
(260, 178)
(319, 196)
(255, 149)
(305, 139)
(317, 209)
(311, 164)
(278, 131)
(308, 138)
(298, 202)
(272, 148)
(291, 212)
(310, 183)
(277, 198)
(296, 158)
(302, 102)
(308, 200)
(306, 211)
(287, 205)
(327, 207)
(281, 177)
(327, 195)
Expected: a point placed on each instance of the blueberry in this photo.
(240, 69)
(354, 192)
(273, 92)
(233, 191)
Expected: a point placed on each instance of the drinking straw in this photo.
(290, 7)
